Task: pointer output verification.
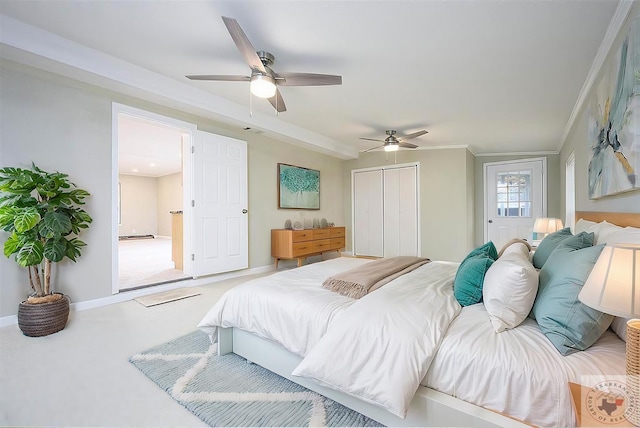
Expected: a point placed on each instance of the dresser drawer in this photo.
(337, 232)
(321, 234)
(321, 245)
(301, 248)
(302, 235)
(337, 243)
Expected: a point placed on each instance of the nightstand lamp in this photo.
(546, 225)
(613, 287)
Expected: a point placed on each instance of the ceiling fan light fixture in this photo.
(263, 86)
(391, 147)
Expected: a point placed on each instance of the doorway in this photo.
(149, 179)
(515, 195)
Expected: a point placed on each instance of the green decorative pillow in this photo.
(488, 249)
(548, 244)
(467, 285)
(568, 323)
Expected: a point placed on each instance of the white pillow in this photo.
(628, 235)
(619, 326)
(510, 288)
(603, 232)
(583, 225)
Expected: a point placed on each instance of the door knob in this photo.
(490, 221)
(244, 211)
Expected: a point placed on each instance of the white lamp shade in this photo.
(547, 225)
(613, 287)
(390, 147)
(263, 86)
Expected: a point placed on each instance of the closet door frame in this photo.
(382, 168)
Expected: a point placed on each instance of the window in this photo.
(570, 191)
(514, 194)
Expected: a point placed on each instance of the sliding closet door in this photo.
(368, 213)
(400, 212)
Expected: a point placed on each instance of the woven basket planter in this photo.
(44, 318)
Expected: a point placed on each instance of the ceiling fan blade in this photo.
(373, 148)
(307, 79)
(371, 139)
(222, 77)
(277, 102)
(410, 136)
(244, 45)
(407, 145)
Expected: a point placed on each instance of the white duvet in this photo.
(288, 307)
(390, 336)
(386, 340)
(518, 372)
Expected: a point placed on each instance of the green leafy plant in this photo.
(42, 213)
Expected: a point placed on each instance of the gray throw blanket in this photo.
(359, 281)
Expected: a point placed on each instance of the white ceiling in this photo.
(148, 148)
(497, 76)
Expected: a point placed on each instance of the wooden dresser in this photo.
(299, 244)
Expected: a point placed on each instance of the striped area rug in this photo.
(228, 391)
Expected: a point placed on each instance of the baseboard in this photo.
(8, 320)
(133, 294)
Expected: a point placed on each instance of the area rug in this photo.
(167, 296)
(228, 391)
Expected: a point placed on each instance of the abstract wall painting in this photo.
(614, 122)
(298, 188)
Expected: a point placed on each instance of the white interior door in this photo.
(400, 212)
(219, 206)
(368, 213)
(514, 196)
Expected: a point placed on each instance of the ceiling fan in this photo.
(393, 143)
(265, 81)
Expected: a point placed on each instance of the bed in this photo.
(460, 373)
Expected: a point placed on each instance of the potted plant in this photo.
(41, 211)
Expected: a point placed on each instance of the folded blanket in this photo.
(357, 282)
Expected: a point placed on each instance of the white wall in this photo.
(139, 205)
(169, 199)
(59, 125)
(446, 229)
(65, 125)
(578, 141)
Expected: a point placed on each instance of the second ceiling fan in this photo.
(393, 143)
(264, 80)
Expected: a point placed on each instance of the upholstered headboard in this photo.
(620, 219)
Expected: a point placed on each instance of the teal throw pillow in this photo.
(488, 249)
(548, 244)
(467, 285)
(567, 322)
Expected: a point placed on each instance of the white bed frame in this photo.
(428, 408)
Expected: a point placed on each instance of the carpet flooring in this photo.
(228, 391)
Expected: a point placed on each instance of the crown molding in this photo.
(615, 25)
(540, 153)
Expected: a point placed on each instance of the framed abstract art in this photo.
(298, 188)
(614, 122)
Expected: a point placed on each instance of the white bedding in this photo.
(288, 307)
(517, 372)
(386, 340)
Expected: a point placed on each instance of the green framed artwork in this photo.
(298, 188)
